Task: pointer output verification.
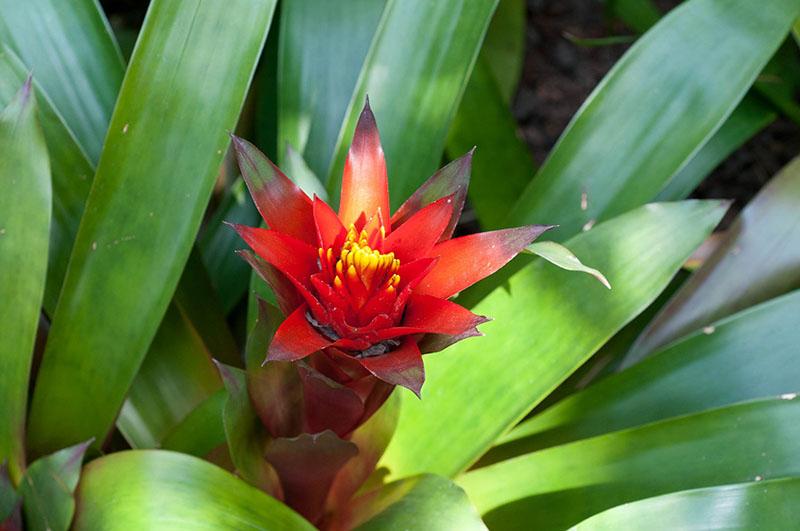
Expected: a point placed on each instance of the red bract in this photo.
(361, 283)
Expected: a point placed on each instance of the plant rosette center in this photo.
(363, 284)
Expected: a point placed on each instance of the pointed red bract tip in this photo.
(365, 187)
(402, 366)
(466, 260)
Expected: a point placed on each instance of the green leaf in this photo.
(322, 47)
(751, 116)
(558, 255)
(155, 489)
(545, 326)
(421, 502)
(24, 232)
(504, 46)
(639, 15)
(759, 260)
(71, 174)
(502, 164)
(245, 433)
(152, 185)
(414, 89)
(10, 502)
(155, 404)
(745, 355)
(764, 505)
(47, 489)
(659, 104)
(296, 168)
(201, 431)
(561, 486)
(229, 273)
(76, 60)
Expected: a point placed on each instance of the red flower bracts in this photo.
(362, 285)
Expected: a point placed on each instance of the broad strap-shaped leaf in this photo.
(414, 90)
(322, 47)
(759, 260)
(752, 354)
(48, 486)
(420, 502)
(756, 505)
(71, 171)
(561, 486)
(167, 490)
(504, 46)
(658, 105)
(202, 430)
(25, 206)
(751, 116)
(544, 326)
(155, 405)
(10, 503)
(229, 273)
(75, 57)
(151, 188)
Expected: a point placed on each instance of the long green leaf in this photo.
(201, 431)
(154, 489)
(47, 489)
(414, 87)
(144, 209)
(322, 47)
(765, 505)
(24, 233)
(421, 502)
(745, 355)
(759, 260)
(659, 104)
(561, 486)
(751, 116)
(71, 174)
(70, 47)
(502, 165)
(545, 325)
(504, 46)
(155, 404)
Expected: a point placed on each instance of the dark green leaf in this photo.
(504, 46)
(152, 184)
(155, 489)
(765, 505)
(201, 431)
(759, 260)
(24, 232)
(70, 48)
(322, 47)
(414, 89)
(561, 486)
(545, 325)
(745, 355)
(47, 489)
(502, 165)
(750, 117)
(659, 104)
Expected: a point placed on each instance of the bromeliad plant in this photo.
(133, 388)
(365, 293)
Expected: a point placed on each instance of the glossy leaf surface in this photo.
(745, 355)
(561, 486)
(129, 253)
(167, 490)
(322, 48)
(421, 502)
(48, 486)
(759, 260)
(771, 504)
(414, 90)
(24, 233)
(566, 318)
(77, 62)
(659, 104)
